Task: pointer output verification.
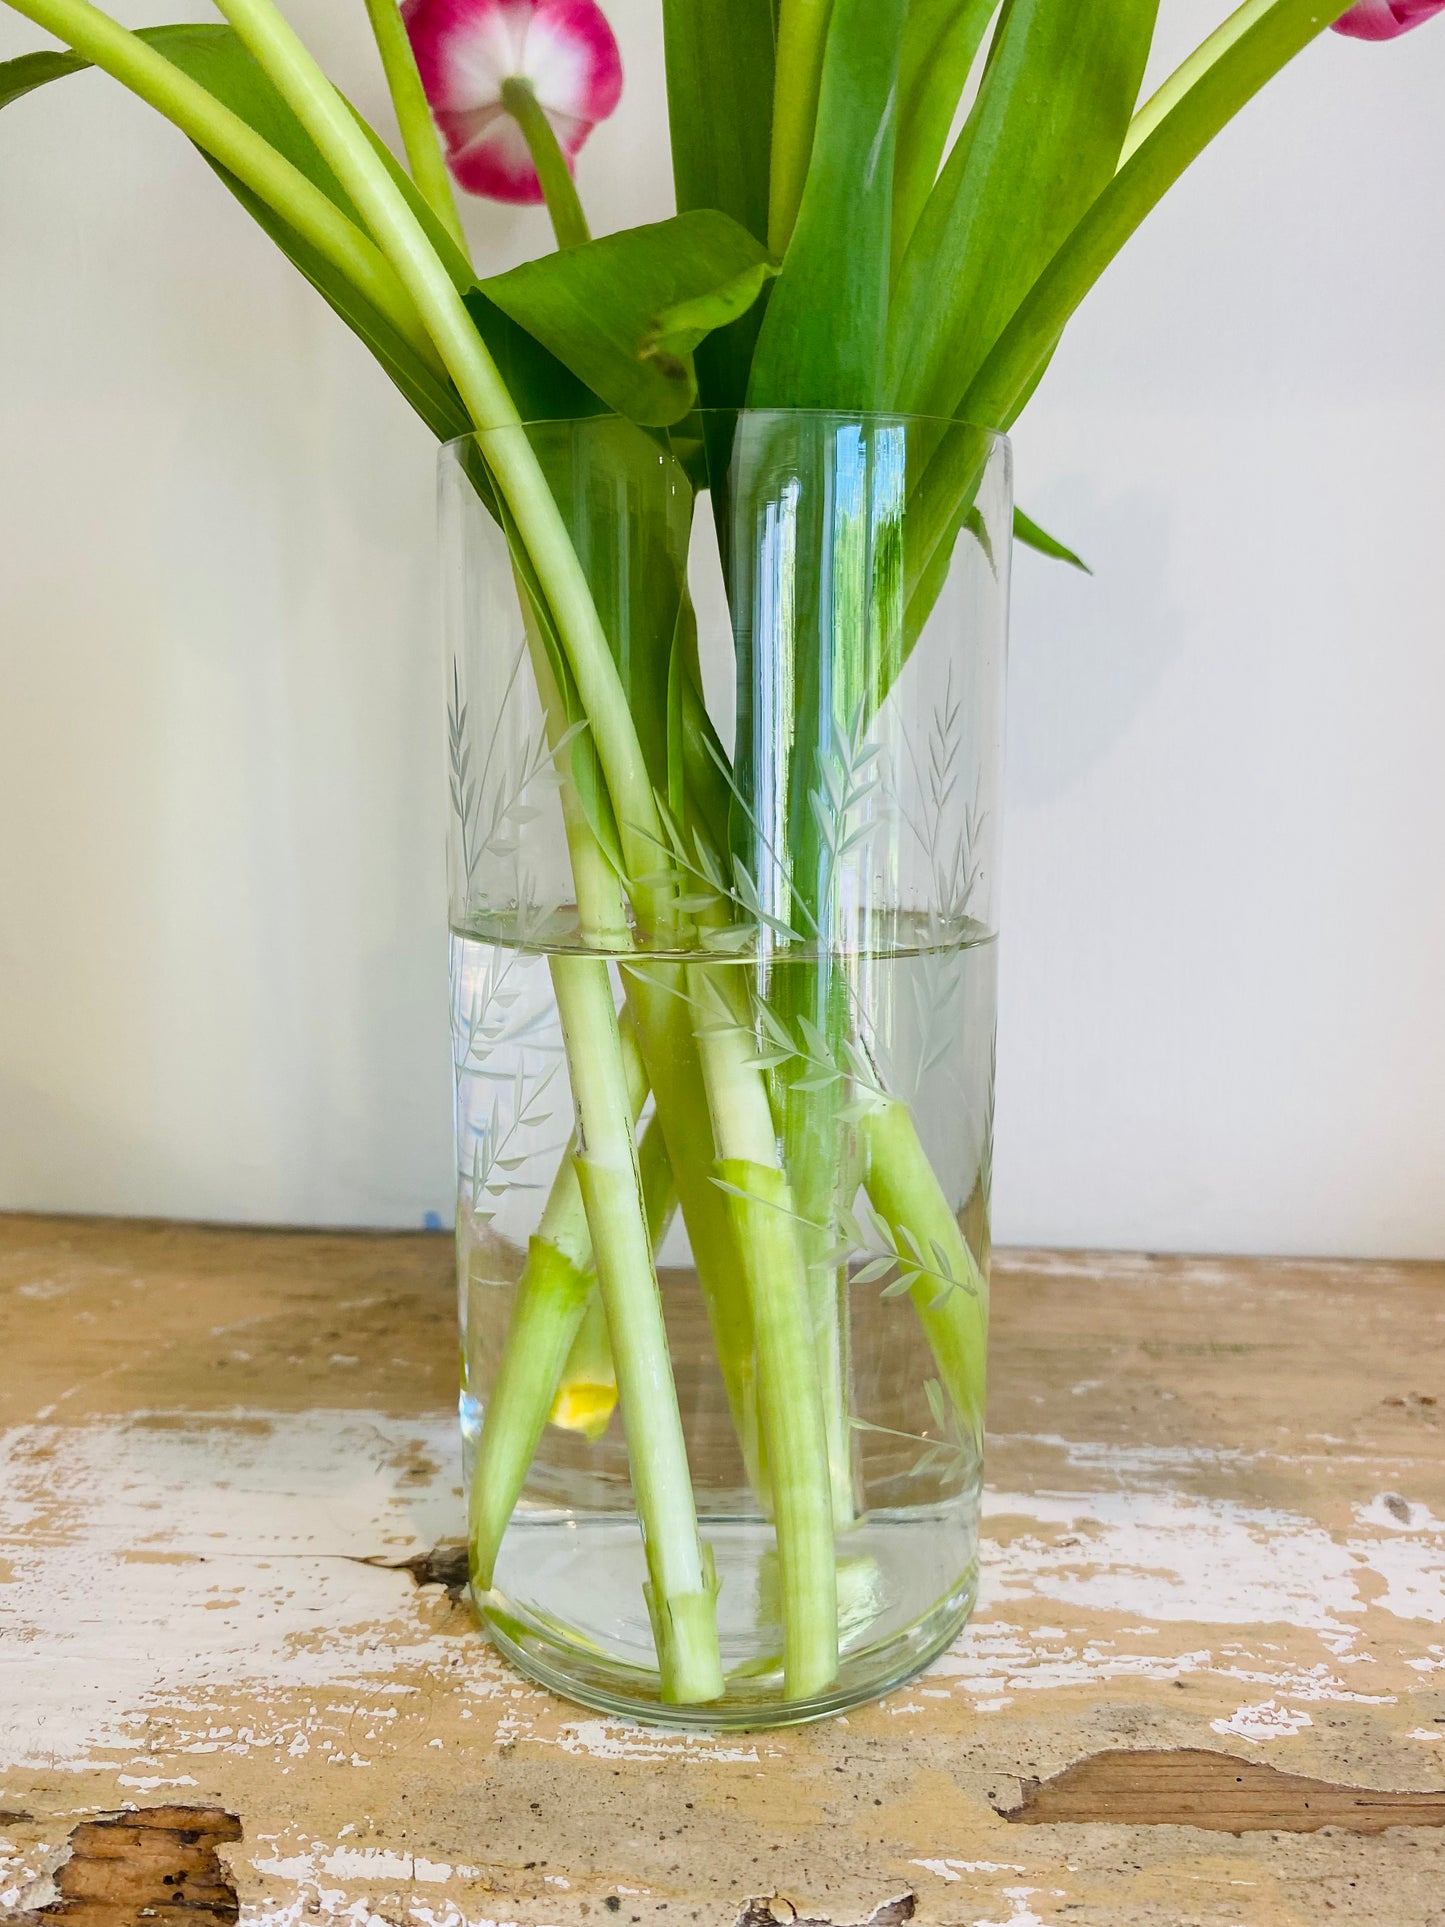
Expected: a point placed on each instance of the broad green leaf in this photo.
(720, 110)
(821, 342)
(543, 388)
(1027, 531)
(941, 39)
(1041, 142)
(603, 308)
(1022, 349)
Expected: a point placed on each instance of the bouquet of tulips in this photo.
(883, 205)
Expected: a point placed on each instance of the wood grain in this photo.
(156, 1867)
(1214, 1523)
(1197, 1788)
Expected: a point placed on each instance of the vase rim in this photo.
(873, 416)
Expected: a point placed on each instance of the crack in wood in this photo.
(445, 1565)
(1195, 1787)
(155, 1867)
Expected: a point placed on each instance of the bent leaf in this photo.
(1027, 531)
(681, 328)
(599, 307)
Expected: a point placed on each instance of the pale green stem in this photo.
(657, 994)
(952, 1307)
(789, 1396)
(241, 150)
(552, 1296)
(1184, 77)
(618, 1230)
(414, 117)
(559, 190)
(500, 435)
(797, 79)
(682, 1590)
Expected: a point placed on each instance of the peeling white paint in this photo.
(602, 1739)
(241, 1536)
(954, 1870)
(1021, 1914)
(1172, 1557)
(1266, 1721)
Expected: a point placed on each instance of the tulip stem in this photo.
(503, 441)
(554, 175)
(413, 117)
(1184, 76)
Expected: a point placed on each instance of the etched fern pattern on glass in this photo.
(802, 974)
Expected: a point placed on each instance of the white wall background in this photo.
(222, 969)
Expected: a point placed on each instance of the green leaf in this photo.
(434, 399)
(30, 71)
(821, 342)
(543, 388)
(720, 111)
(1023, 347)
(607, 308)
(216, 58)
(1027, 531)
(1043, 139)
(940, 41)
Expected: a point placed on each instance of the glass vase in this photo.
(724, 1052)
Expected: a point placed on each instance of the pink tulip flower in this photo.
(1384, 19)
(466, 49)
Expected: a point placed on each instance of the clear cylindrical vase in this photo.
(723, 992)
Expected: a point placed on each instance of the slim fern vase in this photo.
(724, 1054)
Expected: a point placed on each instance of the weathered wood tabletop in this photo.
(1215, 1563)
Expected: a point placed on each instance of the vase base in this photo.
(574, 1663)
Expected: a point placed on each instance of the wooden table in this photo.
(1215, 1557)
